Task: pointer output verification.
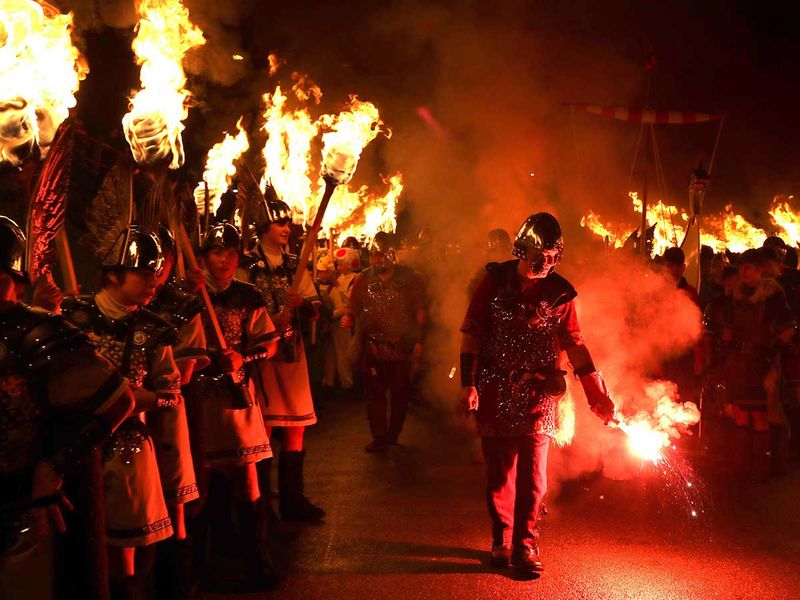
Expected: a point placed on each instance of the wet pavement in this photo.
(412, 524)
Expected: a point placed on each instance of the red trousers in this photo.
(516, 472)
(393, 376)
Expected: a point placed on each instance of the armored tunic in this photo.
(283, 386)
(234, 434)
(388, 312)
(523, 326)
(139, 344)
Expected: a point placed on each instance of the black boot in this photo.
(254, 524)
(173, 571)
(264, 470)
(126, 588)
(293, 503)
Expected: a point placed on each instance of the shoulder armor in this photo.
(175, 305)
(47, 336)
(159, 330)
(81, 311)
(559, 291)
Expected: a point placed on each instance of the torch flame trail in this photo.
(153, 125)
(40, 71)
(220, 169)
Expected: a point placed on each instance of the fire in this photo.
(734, 231)
(592, 222)
(289, 154)
(40, 71)
(220, 169)
(153, 125)
(727, 230)
(649, 433)
(784, 217)
(373, 213)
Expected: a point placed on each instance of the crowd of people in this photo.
(747, 364)
(139, 423)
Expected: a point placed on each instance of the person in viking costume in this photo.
(139, 343)
(283, 384)
(59, 400)
(235, 439)
(520, 317)
(387, 307)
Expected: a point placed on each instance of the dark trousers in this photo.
(516, 472)
(393, 376)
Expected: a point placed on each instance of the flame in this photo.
(350, 131)
(287, 153)
(649, 433)
(727, 230)
(734, 231)
(293, 135)
(220, 169)
(153, 125)
(592, 222)
(784, 217)
(40, 71)
(372, 213)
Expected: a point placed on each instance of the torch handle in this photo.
(191, 259)
(311, 237)
(65, 261)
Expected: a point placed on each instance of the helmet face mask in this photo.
(539, 244)
(383, 249)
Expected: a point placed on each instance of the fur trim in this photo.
(564, 420)
(766, 287)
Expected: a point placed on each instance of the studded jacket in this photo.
(182, 310)
(139, 345)
(522, 327)
(388, 312)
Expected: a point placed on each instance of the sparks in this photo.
(153, 125)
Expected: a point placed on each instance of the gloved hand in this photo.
(599, 400)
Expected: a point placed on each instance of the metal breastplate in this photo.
(521, 340)
(386, 313)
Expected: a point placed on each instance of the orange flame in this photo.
(784, 217)
(292, 135)
(220, 169)
(153, 125)
(670, 223)
(40, 71)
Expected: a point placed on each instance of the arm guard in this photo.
(469, 369)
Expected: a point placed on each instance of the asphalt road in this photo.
(412, 524)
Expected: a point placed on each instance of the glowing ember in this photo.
(153, 125)
(40, 71)
(220, 169)
(787, 219)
